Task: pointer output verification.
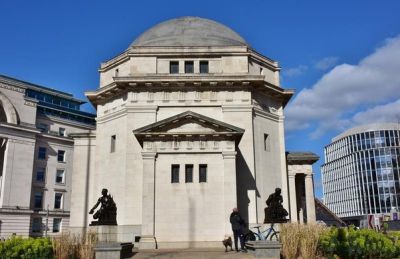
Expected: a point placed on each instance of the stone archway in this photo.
(7, 110)
(8, 114)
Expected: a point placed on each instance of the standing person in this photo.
(237, 226)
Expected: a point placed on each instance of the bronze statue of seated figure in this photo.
(275, 213)
(107, 214)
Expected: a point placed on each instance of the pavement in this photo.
(191, 254)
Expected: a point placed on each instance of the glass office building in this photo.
(361, 171)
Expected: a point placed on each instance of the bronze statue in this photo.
(275, 213)
(107, 214)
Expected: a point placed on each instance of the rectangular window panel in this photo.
(38, 200)
(266, 142)
(188, 173)
(173, 67)
(202, 173)
(204, 67)
(189, 67)
(40, 174)
(60, 176)
(61, 132)
(36, 225)
(58, 200)
(113, 141)
(61, 156)
(57, 225)
(42, 153)
(175, 174)
(43, 127)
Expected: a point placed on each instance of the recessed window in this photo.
(173, 67)
(36, 225)
(113, 141)
(202, 173)
(188, 173)
(189, 67)
(174, 173)
(266, 142)
(61, 132)
(38, 199)
(42, 153)
(61, 156)
(57, 225)
(40, 174)
(204, 67)
(116, 72)
(60, 176)
(58, 200)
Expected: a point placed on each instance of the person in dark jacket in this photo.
(237, 227)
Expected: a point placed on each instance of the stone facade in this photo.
(36, 157)
(188, 98)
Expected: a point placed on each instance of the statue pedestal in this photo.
(108, 246)
(264, 248)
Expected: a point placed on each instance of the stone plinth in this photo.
(108, 246)
(264, 248)
(106, 233)
(113, 250)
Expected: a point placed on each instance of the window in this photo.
(189, 67)
(204, 67)
(60, 176)
(266, 142)
(36, 225)
(56, 225)
(38, 199)
(42, 153)
(113, 140)
(58, 200)
(61, 156)
(175, 174)
(202, 173)
(40, 174)
(61, 132)
(188, 173)
(173, 67)
(43, 127)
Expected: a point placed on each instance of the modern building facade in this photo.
(36, 156)
(361, 171)
(190, 124)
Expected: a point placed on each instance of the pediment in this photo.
(188, 124)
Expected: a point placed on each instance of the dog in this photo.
(227, 242)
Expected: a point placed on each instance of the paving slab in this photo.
(191, 254)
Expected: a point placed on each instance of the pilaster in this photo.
(230, 198)
(148, 240)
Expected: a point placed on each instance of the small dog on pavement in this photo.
(227, 242)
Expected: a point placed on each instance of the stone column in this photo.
(293, 198)
(310, 202)
(147, 240)
(230, 198)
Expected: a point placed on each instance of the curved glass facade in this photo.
(361, 172)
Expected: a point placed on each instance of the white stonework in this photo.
(24, 129)
(229, 119)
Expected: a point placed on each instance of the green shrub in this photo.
(32, 248)
(352, 243)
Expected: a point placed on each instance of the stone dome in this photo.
(189, 31)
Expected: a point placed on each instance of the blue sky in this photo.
(342, 57)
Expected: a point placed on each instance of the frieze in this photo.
(12, 88)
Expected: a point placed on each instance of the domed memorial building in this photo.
(190, 125)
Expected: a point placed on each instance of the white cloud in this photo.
(295, 71)
(326, 63)
(381, 113)
(363, 89)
